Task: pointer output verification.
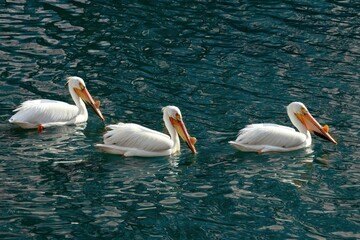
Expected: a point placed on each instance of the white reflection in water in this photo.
(52, 143)
(298, 171)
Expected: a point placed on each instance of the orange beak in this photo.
(180, 128)
(88, 100)
(314, 127)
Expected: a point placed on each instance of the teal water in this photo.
(224, 65)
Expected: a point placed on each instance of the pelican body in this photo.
(130, 139)
(268, 137)
(43, 113)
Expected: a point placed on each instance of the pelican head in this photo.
(78, 85)
(174, 115)
(304, 118)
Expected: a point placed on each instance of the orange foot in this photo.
(40, 128)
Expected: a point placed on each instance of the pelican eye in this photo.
(82, 87)
(304, 110)
(177, 116)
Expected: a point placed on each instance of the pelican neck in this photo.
(78, 101)
(173, 134)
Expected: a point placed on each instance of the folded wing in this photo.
(44, 111)
(270, 135)
(130, 135)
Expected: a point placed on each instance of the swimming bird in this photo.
(130, 139)
(268, 137)
(43, 113)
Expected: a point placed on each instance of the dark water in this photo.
(224, 65)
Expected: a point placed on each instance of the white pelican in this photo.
(130, 139)
(276, 138)
(43, 113)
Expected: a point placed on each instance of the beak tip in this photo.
(332, 140)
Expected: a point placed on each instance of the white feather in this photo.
(131, 135)
(268, 137)
(44, 111)
(130, 139)
(259, 137)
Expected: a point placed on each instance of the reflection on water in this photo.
(51, 144)
(224, 65)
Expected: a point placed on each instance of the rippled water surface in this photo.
(224, 65)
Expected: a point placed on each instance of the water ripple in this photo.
(225, 65)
